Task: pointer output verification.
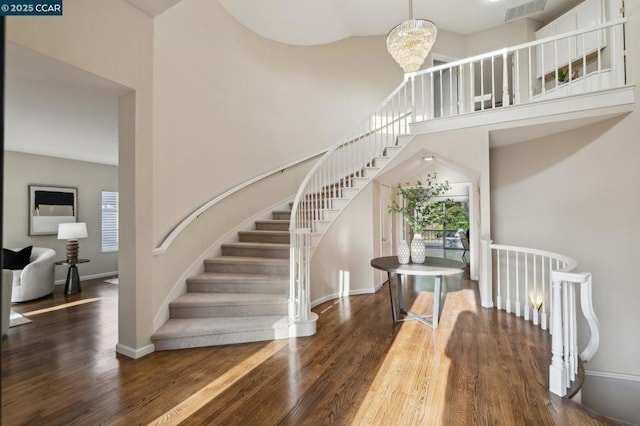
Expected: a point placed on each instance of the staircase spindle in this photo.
(508, 300)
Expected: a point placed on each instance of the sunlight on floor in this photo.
(199, 399)
(63, 306)
(345, 283)
(416, 367)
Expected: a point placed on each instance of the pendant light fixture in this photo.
(410, 42)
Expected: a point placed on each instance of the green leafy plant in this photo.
(417, 209)
(563, 75)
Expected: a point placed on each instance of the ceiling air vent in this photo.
(525, 9)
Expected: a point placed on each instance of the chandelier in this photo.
(410, 42)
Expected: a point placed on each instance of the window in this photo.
(109, 221)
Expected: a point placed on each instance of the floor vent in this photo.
(525, 9)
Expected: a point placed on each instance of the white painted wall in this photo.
(341, 263)
(58, 110)
(22, 170)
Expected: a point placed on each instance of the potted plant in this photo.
(418, 210)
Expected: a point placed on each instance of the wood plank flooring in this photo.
(480, 367)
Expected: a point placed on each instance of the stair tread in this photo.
(265, 232)
(192, 327)
(248, 260)
(257, 245)
(211, 299)
(273, 221)
(224, 277)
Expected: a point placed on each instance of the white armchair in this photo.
(37, 278)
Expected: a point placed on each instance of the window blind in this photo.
(109, 221)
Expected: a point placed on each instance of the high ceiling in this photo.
(311, 22)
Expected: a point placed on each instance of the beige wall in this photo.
(113, 40)
(340, 264)
(509, 34)
(253, 102)
(22, 170)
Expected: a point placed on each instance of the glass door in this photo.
(454, 218)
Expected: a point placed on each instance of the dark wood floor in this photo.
(480, 367)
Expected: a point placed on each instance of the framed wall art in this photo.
(50, 206)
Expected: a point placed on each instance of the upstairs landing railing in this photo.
(581, 61)
(540, 287)
(577, 62)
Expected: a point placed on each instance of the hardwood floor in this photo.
(480, 367)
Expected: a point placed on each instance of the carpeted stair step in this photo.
(199, 332)
(278, 237)
(212, 282)
(272, 225)
(207, 305)
(281, 215)
(270, 250)
(247, 265)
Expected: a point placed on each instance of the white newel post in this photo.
(557, 370)
(302, 322)
(486, 280)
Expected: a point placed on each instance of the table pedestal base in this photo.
(410, 316)
(73, 281)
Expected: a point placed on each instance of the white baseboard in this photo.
(135, 353)
(89, 277)
(337, 295)
(615, 376)
(614, 395)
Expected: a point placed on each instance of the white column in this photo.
(486, 277)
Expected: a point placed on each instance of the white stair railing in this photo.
(540, 287)
(564, 344)
(593, 60)
(334, 180)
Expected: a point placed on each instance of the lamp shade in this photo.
(72, 231)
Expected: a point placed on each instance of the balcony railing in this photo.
(540, 287)
(577, 62)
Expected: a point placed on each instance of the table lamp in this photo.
(72, 232)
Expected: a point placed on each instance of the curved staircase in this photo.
(240, 297)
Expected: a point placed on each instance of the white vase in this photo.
(418, 251)
(403, 252)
